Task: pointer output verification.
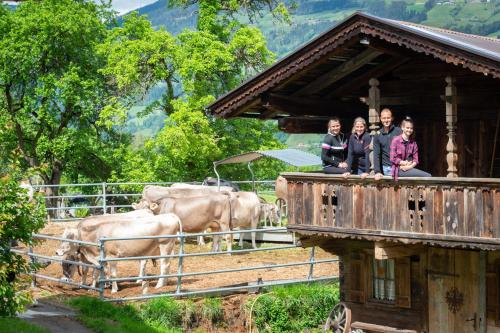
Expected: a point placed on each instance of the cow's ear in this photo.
(135, 206)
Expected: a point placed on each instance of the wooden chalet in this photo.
(420, 254)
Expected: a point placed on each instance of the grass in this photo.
(160, 315)
(295, 308)
(16, 325)
(105, 317)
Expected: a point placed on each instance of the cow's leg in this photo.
(85, 270)
(229, 242)
(254, 225)
(142, 270)
(165, 250)
(201, 240)
(216, 243)
(240, 243)
(253, 240)
(114, 284)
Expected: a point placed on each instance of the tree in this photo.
(195, 66)
(56, 107)
(19, 218)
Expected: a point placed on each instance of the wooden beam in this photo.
(302, 125)
(339, 72)
(429, 70)
(384, 250)
(299, 106)
(358, 82)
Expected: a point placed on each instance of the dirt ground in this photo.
(193, 264)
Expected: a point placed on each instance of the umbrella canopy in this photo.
(292, 157)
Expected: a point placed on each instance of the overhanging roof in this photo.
(292, 157)
(473, 53)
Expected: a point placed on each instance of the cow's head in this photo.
(69, 269)
(68, 248)
(142, 204)
(155, 208)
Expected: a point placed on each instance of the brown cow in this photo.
(164, 224)
(199, 213)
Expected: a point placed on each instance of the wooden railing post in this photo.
(373, 113)
(451, 120)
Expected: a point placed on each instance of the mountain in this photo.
(312, 17)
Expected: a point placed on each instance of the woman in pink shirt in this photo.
(404, 153)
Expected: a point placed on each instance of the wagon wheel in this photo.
(339, 319)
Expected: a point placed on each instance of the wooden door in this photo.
(453, 289)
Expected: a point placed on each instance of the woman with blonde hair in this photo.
(358, 161)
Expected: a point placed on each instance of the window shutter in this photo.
(403, 282)
(357, 278)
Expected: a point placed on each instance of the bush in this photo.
(165, 312)
(293, 308)
(19, 218)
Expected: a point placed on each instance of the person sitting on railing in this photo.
(404, 153)
(358, 160)
(334, 149)
(382, 144)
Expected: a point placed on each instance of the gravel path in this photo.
(55, 318)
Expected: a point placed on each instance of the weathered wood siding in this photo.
(440, 211)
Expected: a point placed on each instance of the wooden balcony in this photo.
(450, 212)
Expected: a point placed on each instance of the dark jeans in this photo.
(413, 173)
(334, 170)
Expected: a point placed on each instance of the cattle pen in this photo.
(194, 269)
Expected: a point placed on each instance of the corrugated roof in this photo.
(292, 157)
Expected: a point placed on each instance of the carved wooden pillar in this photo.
(373, 112)
(451, 120)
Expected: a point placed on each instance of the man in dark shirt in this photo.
(382, 144)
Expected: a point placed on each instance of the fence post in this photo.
(33, 278)
(102, 275)
(180, 260)
(104, 198)
(311, 265)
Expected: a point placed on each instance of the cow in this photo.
(245, 213)
(281, 194)
(269, 212)
(210, 181)
(199, 213)
(163, 224)
(91, 222)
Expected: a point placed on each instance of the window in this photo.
(383, 279)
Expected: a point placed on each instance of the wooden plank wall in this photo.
(471, 211)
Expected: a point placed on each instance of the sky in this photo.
(122, 6)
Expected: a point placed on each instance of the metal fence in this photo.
(181, 273)
(75, 201)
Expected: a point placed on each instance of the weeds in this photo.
(294, 308)
(212, 311)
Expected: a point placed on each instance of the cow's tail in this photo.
(262, 200)
(180, 224)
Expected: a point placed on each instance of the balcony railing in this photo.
(442, 211)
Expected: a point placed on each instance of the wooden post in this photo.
(451, 120)
(373, 113)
